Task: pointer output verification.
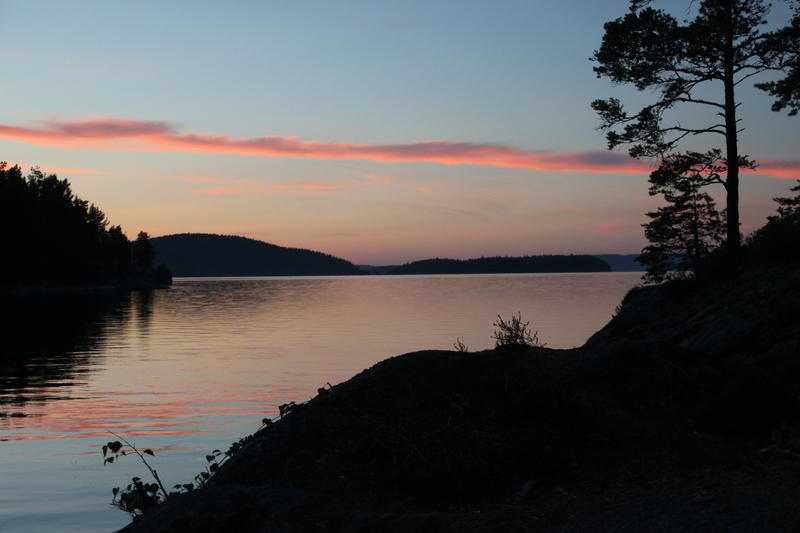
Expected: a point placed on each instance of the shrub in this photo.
(515, 332)
(460, 346)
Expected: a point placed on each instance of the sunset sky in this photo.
(381, 132)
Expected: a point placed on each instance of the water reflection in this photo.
(192, 368)
(50, 344)
(169, 362)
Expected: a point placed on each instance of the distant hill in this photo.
(506, 265)
(622, 262)
(205, 254)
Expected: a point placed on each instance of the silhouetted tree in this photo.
(143, 253)
(118, 252)
(684, 62)
(786, 43)
(51, 236)
(689, 228)
(789, 207)
(779, 238)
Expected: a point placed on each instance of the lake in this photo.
(192, 368)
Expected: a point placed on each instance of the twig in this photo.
(150, 468)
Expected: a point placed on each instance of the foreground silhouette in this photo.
(681, 414)
(697, 63)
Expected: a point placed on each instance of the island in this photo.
(506, 265)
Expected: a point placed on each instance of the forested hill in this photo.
(204, 254)
(506, 265)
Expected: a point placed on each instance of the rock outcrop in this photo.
(682, 414)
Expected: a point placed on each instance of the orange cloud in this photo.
(122, 134)
(780, 169)
(155, 136)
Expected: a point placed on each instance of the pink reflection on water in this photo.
(208, 352)
(95, 413)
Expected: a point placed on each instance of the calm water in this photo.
(194, 367)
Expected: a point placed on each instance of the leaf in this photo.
(115, 491)
(149, 452)
(115, 446)
(108, 460)
(188, 486)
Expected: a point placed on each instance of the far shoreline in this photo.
(370, 275)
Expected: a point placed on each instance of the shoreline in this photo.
(677, 415)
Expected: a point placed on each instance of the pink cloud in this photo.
(123, 134)
(785, 169)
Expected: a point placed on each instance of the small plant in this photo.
(286, 408)
(460, 346)
(515, 332)
(216, 459)
(138, 496)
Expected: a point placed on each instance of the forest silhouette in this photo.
(59, 239)
(506, 265)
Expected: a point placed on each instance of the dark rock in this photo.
(682, 414)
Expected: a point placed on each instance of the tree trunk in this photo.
(733, 241)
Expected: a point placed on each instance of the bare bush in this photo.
(515, 332)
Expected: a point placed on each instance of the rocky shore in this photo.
(682, 414)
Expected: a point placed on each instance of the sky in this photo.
(380, 132)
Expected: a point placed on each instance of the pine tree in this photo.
(689, 228)
(700, 63)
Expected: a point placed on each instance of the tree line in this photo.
(52, 237)
(699, 64)
(506, 265)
